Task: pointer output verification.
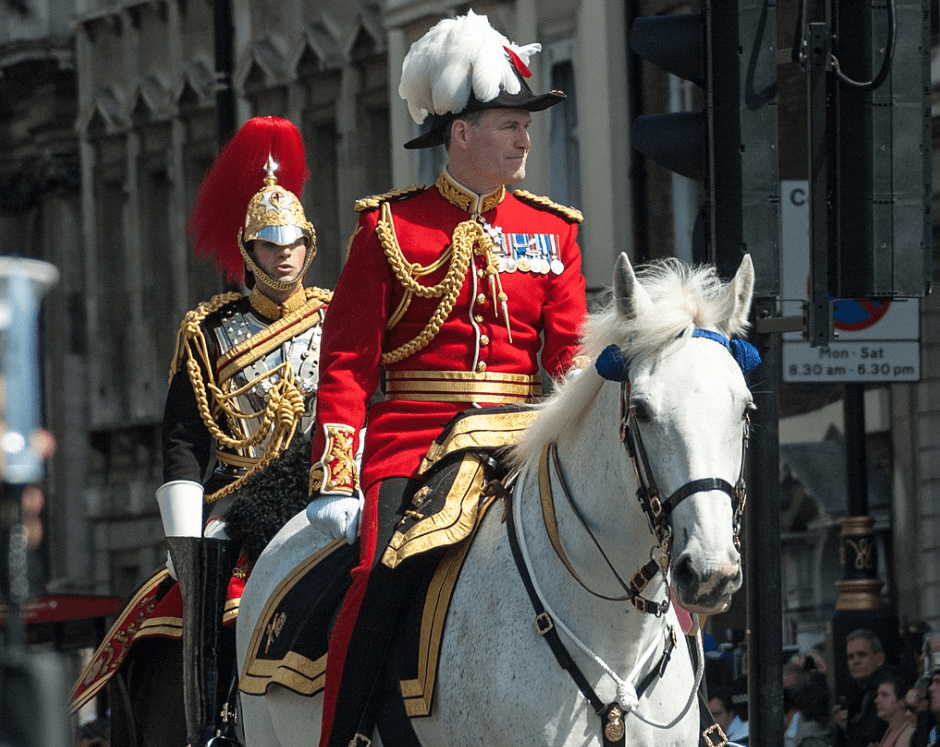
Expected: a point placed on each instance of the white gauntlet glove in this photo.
(180, 504)
(336, 516)
(216, 528)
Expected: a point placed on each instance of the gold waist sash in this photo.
(462, 386)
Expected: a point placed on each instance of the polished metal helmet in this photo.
(275, 214)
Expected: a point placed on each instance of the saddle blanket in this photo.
(155, 609)
(289, 644)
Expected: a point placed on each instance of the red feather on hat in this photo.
(237, 174)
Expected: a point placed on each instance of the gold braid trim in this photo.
(469, 237)
(469, 202)
(191, 322)
(370, 203)
(283, 410)
(572, 215)
(321, 294)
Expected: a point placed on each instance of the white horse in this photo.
(662, 386)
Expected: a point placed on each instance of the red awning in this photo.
(63, 607)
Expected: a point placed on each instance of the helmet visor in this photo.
(280, 235)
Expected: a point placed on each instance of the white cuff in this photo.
(181, 508)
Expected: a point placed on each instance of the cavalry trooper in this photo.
(452, 290)
(242, 386)
(238, 416)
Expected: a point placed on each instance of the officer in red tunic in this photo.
(457, 292)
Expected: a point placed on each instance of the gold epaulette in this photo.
(320, 294)
(370, 203)
(570, 214)
(190, 324)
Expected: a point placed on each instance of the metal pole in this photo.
(762, 551)
(856, 469)
(818, 312)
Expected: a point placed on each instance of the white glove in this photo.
(181, 508)
(215, 529)
(336, 516)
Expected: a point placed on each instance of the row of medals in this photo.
(509, 263)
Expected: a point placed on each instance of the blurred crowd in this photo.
(882, 703)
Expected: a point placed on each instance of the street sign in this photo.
(856, 314)
(877, 340)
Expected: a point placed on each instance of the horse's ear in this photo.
(629, 294)
(741, 288)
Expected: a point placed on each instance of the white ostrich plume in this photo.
(453, 57)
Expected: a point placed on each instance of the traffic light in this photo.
(676, 44)
(880, 236)
(731, 146)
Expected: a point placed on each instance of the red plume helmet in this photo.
(236, 176)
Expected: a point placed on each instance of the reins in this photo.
(547, 624)
(611, 366)
(638, 582)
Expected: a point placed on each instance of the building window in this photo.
(563, 138)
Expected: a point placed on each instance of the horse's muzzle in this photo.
(705, 591)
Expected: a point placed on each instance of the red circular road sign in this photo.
(856, 314)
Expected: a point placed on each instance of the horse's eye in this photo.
(641, 412)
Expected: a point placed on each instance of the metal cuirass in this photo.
(286, 369)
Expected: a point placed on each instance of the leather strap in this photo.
(543, 621)
(612, 715)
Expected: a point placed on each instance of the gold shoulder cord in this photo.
(568, 213)
(285, 404)
(320, 294)
(469, 237)
(370, 203)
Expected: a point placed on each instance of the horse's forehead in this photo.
(687, 366)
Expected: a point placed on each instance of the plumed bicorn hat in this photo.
(462, 65)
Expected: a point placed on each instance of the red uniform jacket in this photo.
(477, 352)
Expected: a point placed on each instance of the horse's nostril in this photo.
(684, 573)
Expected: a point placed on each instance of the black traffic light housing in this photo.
(676, 140)
(880, 231)
(731, 146)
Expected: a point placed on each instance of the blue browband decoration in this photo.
(744, 353)
(611, 365)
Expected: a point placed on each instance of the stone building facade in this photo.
(108, 122)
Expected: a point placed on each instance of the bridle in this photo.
(659, 512)
(612, 366)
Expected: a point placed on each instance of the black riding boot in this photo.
(203, 567)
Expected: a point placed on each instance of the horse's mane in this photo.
(684, 297)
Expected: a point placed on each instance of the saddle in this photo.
(459, 464)
(289, 643)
